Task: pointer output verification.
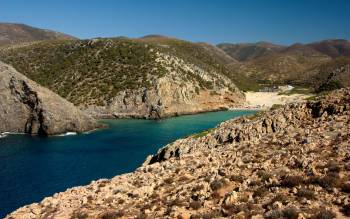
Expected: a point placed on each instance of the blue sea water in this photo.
(32, 168)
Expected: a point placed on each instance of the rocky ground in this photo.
(292, 162)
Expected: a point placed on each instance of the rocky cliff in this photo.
(29, 108)
(291, 162)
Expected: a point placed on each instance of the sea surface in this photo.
(32, 168)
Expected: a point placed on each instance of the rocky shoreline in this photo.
(290, 162)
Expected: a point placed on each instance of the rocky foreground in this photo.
(26, 107)
(292, 162)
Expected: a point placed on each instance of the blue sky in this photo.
(213, 21)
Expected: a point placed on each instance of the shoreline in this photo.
(203, 156)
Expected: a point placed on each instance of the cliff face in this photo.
(28, 108)
(167, 98)
(291, 162)
(173, 94)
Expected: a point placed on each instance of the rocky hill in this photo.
(291, 162)
(286, 66)
(11, 34)
(297, 64)
(248, 51)
(332, 48)
(143, 78)
(27, 107)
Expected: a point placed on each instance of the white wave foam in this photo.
(68, 133)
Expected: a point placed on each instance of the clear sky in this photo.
(213, 21)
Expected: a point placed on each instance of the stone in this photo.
(277, 205)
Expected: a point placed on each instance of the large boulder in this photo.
(26, 107)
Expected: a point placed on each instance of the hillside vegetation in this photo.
(204, 55)
(92, 72)
(88, 71)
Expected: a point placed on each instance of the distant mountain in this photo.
(18, 33)
(248, 51)
(151, 77)
(288, 65)
(333, 48)
(267, 63)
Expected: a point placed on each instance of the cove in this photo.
(32, 168)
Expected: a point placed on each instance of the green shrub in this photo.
(329, 86)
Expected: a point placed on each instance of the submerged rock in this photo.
(26, 107)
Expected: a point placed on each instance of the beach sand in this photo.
(268, 99)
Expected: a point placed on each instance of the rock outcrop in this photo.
(291, 162)
(169, 97)
(289, 118)
(26, 107)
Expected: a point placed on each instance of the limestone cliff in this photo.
(26, 107)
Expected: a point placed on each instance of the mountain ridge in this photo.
(14, 33)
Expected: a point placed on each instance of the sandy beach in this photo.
(264, 100)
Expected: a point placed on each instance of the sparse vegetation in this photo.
(324, 214)
(306, 193)
(292, 181)
(201, 134)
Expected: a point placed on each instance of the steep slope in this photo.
(19, 33)
(130, 78)
(333, 48)
(28, 108)
(291, 162)
(248, 51)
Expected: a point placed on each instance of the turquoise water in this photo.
(32, 168)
